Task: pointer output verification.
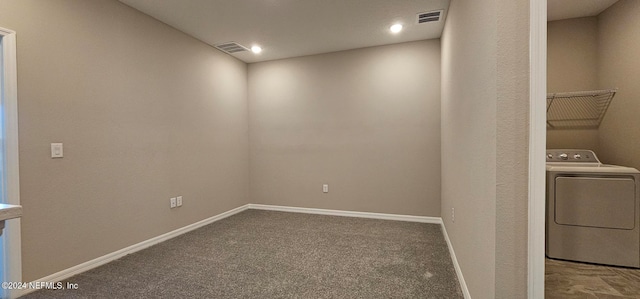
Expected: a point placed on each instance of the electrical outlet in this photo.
(56, 150)
(179, 201)
(173, 202)
(453, 214)
(325, 188)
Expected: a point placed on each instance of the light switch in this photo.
(325, 188)
(56, 150)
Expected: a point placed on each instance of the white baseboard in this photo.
(86, 266)
(463, 284)
(410, 218)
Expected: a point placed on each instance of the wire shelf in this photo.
(578, 110)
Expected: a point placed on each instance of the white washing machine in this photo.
(593, 209)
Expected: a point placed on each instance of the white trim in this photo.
(11, 114)
(131, 249)
(396, 217)
(12, 250)
(463, 284)
(537, 146)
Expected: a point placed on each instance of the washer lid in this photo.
(589, 168)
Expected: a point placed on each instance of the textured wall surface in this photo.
(145, 113)
(469, 140)
(619, 67)
(572, 50)
(572, 63)
(366, 122)
(512, 149)
(485, 107)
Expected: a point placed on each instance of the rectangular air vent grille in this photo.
(231, 47)
(430, 16)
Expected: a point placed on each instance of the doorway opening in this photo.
(592, 72)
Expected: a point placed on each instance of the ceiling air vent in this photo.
(429, 16)
(231, 47)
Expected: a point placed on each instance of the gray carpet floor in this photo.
(266, 254)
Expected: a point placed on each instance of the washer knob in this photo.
(564, 156)
(577, 156)
(550, 156)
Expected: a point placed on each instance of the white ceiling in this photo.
(569, 9)
(290, 28)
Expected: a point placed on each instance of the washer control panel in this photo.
(571, 155)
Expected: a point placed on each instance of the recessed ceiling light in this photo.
(395, 28)
(256, 49)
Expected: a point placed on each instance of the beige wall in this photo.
(572, 63)
(572, 47)
(145, 113)
(512, 149)
(366, 122)
(578, 139)
(485, 105)
(619, 66)
(469, 140)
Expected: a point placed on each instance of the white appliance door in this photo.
(607, 202)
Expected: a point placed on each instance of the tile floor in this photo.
(566, 280)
